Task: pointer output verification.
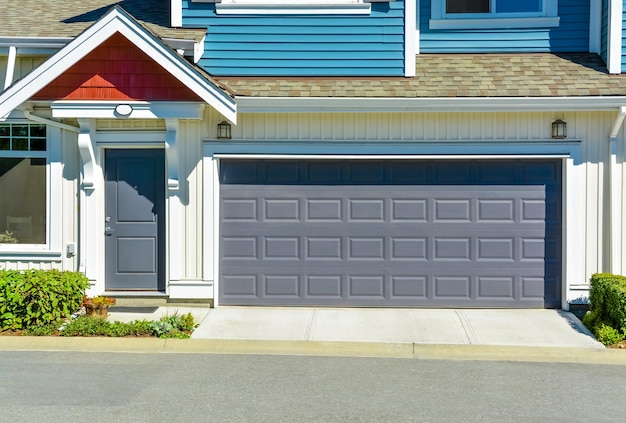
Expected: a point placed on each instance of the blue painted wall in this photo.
(604, 36)
(572, 35)
(301, 45)
(623, 36)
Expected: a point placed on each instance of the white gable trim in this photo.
(117, 20)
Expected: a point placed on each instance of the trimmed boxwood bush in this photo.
(39, 297)
(607, 313)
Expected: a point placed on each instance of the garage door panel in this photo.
(394, 233)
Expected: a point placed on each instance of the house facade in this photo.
(416, 153)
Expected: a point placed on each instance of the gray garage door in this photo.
(390, 233)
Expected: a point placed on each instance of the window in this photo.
(485, 14)
(494, 6)
(23, 182)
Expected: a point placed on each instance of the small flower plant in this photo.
(99, 301)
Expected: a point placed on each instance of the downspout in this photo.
(615, 199)
(8, 79)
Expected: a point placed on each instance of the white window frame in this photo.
(54, 202)
(547, 18)
(293, 7)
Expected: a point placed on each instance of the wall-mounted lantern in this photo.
(559, 129)
(223, 130)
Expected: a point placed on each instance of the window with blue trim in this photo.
(467, 14)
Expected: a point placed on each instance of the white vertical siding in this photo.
(23, 65)
(190, 156)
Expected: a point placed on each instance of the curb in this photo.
(318, 348)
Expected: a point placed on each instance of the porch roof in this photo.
(68, 18)
(455, 75)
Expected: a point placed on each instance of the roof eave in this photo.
(117, 20)
(425, 104)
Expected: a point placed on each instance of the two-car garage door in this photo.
(404, 233)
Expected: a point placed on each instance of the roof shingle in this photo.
(68, 18)
(456, 75)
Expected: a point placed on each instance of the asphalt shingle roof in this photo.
(456, 75)
(68, 18)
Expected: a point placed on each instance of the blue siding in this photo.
(604, 36)
(572, 35)
(301, 45)
(623, 36)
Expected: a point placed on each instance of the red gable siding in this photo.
(117, 70)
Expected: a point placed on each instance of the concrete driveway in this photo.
(506, 327)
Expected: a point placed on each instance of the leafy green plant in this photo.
(607, 314)
(607, 335)
(46, 330)
(38, 297)
(98, 301)
(175, 326)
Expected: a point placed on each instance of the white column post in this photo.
(90, 226)
(175, 208)
(615, 197)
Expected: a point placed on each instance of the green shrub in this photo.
(38, 297)
(607, 335)
(167, 327)
(607, 313)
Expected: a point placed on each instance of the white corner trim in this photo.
(411, 37)
(106, 109)
(85, 148)
(615, 36)
(117, 21)
(176, 13)
(8, 78)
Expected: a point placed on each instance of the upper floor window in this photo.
(486, 14)
(494, 6)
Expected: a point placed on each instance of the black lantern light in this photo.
(223, 130)
(559, 129)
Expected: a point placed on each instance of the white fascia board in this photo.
(35, 42)
(117, 21)
(140, 109)
(464, 104)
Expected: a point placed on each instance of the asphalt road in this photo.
(122, 387)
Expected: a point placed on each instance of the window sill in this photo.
(31, 253)
(329, 8)
(499, 23)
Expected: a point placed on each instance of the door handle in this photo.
(108, 230)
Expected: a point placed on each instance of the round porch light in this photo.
(123, 109)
